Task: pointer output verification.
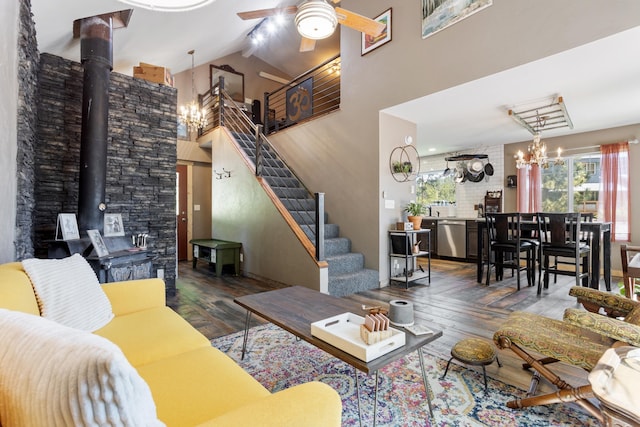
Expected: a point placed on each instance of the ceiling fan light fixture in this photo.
(316, 20)
(168, 5)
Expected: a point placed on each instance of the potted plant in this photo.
(415, 211)
(399, 167)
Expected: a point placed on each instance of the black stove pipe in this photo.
(96, 52)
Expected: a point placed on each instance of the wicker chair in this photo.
(580, 339)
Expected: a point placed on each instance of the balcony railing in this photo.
(309, 95)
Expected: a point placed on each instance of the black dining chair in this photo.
(506, 246)
(584, 237)
(529, 233)
(561, 237)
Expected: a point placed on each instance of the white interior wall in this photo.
(8, 125)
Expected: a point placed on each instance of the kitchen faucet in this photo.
(430, 213)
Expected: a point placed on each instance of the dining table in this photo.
(600, 245)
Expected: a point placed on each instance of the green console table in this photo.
(218, 252)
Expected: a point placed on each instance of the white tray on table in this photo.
(343, 331)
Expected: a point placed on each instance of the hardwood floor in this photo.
(453, 302)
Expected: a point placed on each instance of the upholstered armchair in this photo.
(580, 339)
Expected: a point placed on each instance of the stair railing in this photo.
(224, 111)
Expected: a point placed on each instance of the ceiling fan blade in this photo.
(263, 13)
(307, 45)
(359, 22)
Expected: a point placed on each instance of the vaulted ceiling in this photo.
(164, 38)
(598, 81)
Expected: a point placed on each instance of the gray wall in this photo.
(242, 212)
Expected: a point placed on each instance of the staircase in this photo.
(347, 274)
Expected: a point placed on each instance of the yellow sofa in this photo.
(191, 382)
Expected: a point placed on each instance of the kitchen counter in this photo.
(452, 246)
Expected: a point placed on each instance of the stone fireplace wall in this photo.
(28, 63)
(141, 165)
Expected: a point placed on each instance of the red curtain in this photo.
(529, 198)
(614, 194)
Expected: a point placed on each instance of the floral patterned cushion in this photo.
(613, 328)
(553, 338)
(614, 305)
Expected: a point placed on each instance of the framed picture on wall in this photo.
(182, 130)
(438, 15)
(370, 43)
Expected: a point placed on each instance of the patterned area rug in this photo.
(278, 361)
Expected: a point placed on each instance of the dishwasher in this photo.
(452, 238)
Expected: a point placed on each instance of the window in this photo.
(433, 188)
(572, 187)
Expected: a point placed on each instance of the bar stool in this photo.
(473, 351)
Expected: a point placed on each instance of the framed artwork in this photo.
(182, 130)
(113, 225)
(438, 15)
(300, 101)
(98, 244)
(370, 43)
(67, 227)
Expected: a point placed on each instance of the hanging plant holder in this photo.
(404, 163)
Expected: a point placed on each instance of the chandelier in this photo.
(537, 151)
(316, 20)
(537, 155)
(168, 5)
(191, 114)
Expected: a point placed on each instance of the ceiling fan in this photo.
(317, 19)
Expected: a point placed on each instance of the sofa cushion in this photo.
(68, 292)
(149, 335)
(16, 292)
(53, 375)
(204, 384)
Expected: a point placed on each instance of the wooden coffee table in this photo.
(295, 308)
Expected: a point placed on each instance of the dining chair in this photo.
(529, 233)
(585, 237)
(630, 256)
(560, 237)
(506, 246)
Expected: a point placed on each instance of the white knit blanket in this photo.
(52, 375)
(68, 292)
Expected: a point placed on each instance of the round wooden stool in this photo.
(474, 351)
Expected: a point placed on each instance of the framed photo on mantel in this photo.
(67, 227)
(98, 244)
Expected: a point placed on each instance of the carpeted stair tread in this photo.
(351, 283)
(337, 246)
(345, 263)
